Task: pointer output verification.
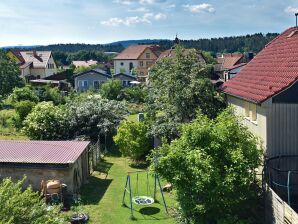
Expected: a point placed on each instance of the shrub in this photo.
(52, 94)
(212, 166)
(23, 108)
(22, 94)
(132, 139)
(111, 89)
(26, 207)
(134, 94)
(47, 122)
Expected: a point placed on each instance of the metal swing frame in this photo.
(127, 189)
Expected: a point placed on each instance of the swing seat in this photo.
(142, 200)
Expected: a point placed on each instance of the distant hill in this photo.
(253, 42)
(126, 43)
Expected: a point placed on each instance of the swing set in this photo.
(137, 199)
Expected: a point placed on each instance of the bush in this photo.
(111, 89)
(52, 94)
(132, 139)
(26, 207)
(134, 94)
(23, 108)
(46, 122)
(6, 117)
(212, 166)
(22, 94)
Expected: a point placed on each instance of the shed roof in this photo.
(274, 69)
(41, 152)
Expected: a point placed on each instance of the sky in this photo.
(42, 22)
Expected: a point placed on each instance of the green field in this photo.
(102, 197)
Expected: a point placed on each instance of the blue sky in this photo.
(31, 22)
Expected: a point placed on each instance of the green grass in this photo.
(102, 197)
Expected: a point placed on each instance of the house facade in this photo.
(138, 59)
(34, 64)
(264, 94)
(232, 71)
(92, 79)
(66, 161)
(125, 79)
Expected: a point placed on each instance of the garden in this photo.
(188, 137)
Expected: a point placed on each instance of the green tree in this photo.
(22, 108)
(9, 75)
(179, 87)
(212, 167)
(132, 139)
(111, 89)
(24, 206)
(46, 122)
(22, 94)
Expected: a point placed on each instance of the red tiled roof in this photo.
(45, 152)
(229, 60)
(274, 69)
(133, 52)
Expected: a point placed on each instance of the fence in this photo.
(94, 155)
(278, 211)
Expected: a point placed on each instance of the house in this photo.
(125, 78)
(265, 94)
(227, 61)
(34, 64)
(66, 161)
(232, 71)
(91, 79)
(84, 63)
(170, 53)
(136, 58)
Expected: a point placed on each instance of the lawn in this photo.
(102, 197)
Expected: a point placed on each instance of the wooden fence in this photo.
(277, 210)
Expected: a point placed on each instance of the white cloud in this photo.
(204, 7)
(142, 2)
(141, 9)
(172, 6)
(291, 10)
(132, 20)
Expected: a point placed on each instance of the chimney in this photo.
(250, 56)
(35, 54)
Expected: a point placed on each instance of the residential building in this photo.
(170, 53)
(232, 71)
(227, 61)
(138, 59)
(66, 161)
(34, 64)
(265, 93)
(91, 79)
(125, 79)
(84, 63)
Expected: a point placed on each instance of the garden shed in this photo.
(66, 161)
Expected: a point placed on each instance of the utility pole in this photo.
(296, 14)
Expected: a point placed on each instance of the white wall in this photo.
(118, 67)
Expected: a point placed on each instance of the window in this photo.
(147, 55)
(141, 63)
(250, 111)
(124, 83)
(141, 73)
(83, 83)
(121, 63)
(96, 84)
(51, 66)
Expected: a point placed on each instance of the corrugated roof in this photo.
(39, 58)
(42, 152)
(274, 69)
(133, 52)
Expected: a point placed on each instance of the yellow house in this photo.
(34, 64)
(265, 94)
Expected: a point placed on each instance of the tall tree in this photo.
(9, 75)
(179, 87)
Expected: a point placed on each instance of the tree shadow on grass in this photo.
(93, 192)
(103, 167)
(149, 210)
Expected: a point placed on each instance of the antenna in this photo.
(296, 14)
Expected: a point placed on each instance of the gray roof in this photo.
(40, 59)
